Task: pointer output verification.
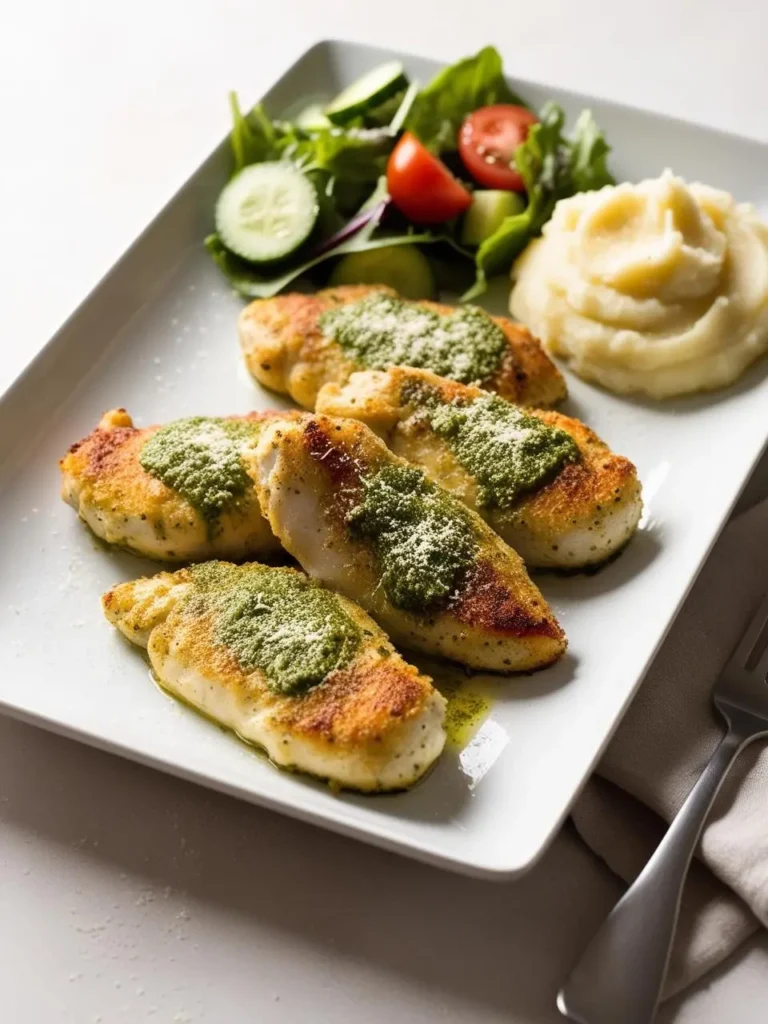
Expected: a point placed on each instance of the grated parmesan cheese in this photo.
(422, 537)
(200, 458)
(381, 331)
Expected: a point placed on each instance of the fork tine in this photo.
(743, 653)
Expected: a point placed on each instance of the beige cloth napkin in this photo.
(664, 742)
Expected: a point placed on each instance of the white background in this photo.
(129, 896)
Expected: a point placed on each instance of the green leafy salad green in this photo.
(323, 193)
(553, 167)
(441, 106)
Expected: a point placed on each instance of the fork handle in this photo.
(618, 979)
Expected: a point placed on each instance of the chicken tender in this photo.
(176, 493)
(295, 343)
(426, 567)
(301, 672)
(559, 496)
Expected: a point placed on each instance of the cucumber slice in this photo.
(266, 212)
(489, 208)
(312, 118)
(404, 267)
(367, 92)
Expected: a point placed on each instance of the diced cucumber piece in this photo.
(367, 92)
(312, 118)
(403, 267)
(266, 212)
(489, 208)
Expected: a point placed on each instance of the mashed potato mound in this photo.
(658, 288)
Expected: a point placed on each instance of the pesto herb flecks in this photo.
(200, 458)
(278, 621)
(381, 331)
(508, 452)
(464, 715)
(422, 538)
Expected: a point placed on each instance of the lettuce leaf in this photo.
(553, 167)
(355, 155)
(255, 137)
(252, 137)
(589, 155)
(252, 284)
(441, 106)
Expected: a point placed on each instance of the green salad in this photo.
(417, 187)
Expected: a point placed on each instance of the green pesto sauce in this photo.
(200, 458)
(381, 331)
(465, 713)
(422, 538)
(469, 700)
(278, 621)
(506, 451)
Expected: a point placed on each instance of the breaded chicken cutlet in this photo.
(177, 493)
(427, 568)
(545, 482)
(296, 343)
(289, 666)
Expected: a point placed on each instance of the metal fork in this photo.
(618, 979)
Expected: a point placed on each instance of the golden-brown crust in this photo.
(581, 489)
(582, 516)
(357, 705)
(526, 375)
(599, 479)
(338, 463)
(498, 598)
(136, 608)
(109, 460)
(488, 602)
(583, 496)
(103, 479)
(106, 469)
(354, 705)
(285, 349)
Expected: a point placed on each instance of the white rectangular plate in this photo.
(158, 337)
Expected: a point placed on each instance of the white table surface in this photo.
(126, 895)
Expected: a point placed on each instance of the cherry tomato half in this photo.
(422, 186)
(488, 139)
